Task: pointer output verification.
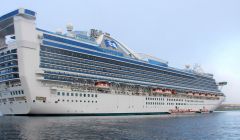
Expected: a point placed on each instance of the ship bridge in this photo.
(7, 26)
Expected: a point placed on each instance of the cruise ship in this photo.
(91, 73)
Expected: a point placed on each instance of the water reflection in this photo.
(219, 125)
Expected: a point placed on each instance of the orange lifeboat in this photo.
(102, 84)
(157, 90)
(189, 93)
(196, 94)
(209, 95)
(167, 91)
(174, 92)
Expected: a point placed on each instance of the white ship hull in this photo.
(108, 104)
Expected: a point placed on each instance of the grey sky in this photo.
(181, 32)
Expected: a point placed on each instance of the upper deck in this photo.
(101, 45)
(108, 45)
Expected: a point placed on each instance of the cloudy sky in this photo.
(179, 31)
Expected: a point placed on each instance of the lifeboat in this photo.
(167, 91)
(157, 90)
(102, 84)
(196, 94)
(209, 95)
(189, 93)
(174, 92)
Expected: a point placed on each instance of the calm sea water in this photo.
(217, 125)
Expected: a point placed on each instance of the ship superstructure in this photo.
(77, 72)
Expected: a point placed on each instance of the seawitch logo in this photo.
(110, 43)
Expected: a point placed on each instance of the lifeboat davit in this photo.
(102, 84)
